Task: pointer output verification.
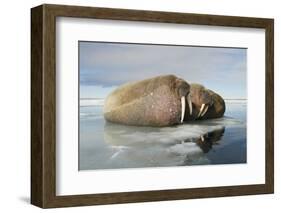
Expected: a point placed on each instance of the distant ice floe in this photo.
(100, 102)
(91, 102)
(236, 101)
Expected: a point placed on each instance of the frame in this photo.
(43, 105)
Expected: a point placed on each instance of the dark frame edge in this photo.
(156, 196)
(269, 119)
(37, 190)
(42, 107)
(156, 16)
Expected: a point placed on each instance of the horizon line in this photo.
(88, 98)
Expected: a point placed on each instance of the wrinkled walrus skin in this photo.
(151, 102)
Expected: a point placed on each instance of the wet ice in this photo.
(105, 145)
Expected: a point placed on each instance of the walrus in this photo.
(159, 101)
(206, 103)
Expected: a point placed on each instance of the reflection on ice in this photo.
(176, 145)
(121, 135)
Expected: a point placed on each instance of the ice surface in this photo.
(178, 145)
(105, 145)
(115, 134)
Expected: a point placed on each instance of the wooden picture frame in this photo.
(43, 105)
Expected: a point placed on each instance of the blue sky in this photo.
(105, 66)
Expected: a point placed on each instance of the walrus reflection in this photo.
(158, 146)
(206, 141)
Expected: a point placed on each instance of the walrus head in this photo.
(201, 98)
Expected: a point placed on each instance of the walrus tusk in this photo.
(182, 108)
(205, 110)
(189, 104)
(201, 110)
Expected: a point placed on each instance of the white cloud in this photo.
(111, 64)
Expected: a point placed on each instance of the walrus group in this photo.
(162, 101)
